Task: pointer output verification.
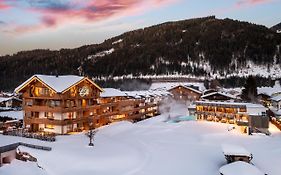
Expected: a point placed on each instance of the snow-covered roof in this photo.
(248, 105)
(2, 99)
(276, 98)
(269, 90)
(169, 85)
(187, 87)
(236, 150)
(147, 94)
(57, 83)
(218, 93)
(232, 91)
(111, 92)
(132, 94)
(13, 114)
(241, 168)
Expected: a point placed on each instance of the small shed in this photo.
(8, 153)
(234, 153)
(240, 168)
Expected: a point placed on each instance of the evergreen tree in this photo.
(249, 93)
(215, 84)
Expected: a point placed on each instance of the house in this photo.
(215, 96)
(235, 153)
(275, 111)
(10, 102)
(276, 102)
(266, 93)
(8, 153)
(63, 104)
(59, 104)
(185, 93)
(248, 117)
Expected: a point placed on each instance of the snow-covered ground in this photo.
(13, 114)
(148, 147)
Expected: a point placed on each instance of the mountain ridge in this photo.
(202, 47)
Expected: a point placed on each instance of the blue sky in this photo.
(55, 24)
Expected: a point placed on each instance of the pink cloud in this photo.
(251, 2)
(3, 5)
(55, 15)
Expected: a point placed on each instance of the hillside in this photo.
(202, 47)
(276, 27)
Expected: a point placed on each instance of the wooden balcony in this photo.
(36, 108)
(42, 108)
(29, 120)
(138, 116)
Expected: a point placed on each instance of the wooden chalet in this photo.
(10, 102)
(63, 104)
(59, 104)
(185, 93)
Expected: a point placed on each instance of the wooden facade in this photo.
(218, 96)
(184, 93)
(76, 108)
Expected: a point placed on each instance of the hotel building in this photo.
(249, 117)
(63, 104)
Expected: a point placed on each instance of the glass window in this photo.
(47, 126)
(49, 115)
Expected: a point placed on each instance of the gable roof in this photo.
(59, 84)
(186, 87)
(169, 85)
(218, 93)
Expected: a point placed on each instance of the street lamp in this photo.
(92, 132)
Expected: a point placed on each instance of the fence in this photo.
(14, 146)
(40, 136)
(45, 148)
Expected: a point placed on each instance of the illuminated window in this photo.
(49, 115)
(242, 110)
(70, 115)
(49, 126)
(84, 103)
(73, 92)
(41, 91)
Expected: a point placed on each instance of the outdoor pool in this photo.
(181, 118)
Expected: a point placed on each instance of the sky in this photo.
(56, 24)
